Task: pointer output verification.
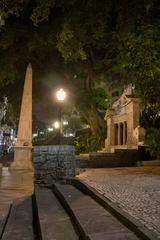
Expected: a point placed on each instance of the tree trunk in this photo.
(91, 113)
(94, 120)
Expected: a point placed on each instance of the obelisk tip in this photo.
(29, 66)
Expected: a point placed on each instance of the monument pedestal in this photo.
(22, 158)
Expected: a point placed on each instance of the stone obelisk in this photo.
(23, 146)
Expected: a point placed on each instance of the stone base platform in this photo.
(151, 163)
(112, 149)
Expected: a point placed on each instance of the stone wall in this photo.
(53, 162)
(120, 158)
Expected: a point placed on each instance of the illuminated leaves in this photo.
(42, 11)
(70, 44)
(10, 7)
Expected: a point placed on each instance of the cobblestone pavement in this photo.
(135, 190)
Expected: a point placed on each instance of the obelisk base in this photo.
(22, 158)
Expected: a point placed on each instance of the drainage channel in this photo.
(36, 222)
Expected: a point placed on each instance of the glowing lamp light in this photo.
(65, 123)
(61, 94)
(71, 134)
(57, 125)
(50, 129)
(35, 134)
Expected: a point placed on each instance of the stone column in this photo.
(115, 134)
(23, 147)
(124, 133)
(109, 142)
(119, 134)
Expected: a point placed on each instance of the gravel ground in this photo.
(135, 190)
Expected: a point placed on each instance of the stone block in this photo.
(53, 162)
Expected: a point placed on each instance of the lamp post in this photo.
(65, 123)
(56, 125)
(60, 95)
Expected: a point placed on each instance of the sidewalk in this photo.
(14, 185)
(135, 190)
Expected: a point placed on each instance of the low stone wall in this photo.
(82, 162)
(53, 162)
(150, 163)
(103, 160)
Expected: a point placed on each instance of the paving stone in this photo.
(135, 190)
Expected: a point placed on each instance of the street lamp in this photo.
(60, 95)
(56, 125)
(50, 129)
(65, 123)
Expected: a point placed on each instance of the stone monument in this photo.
(123, 130)
(23, 146)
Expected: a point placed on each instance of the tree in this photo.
(83, 40)
(84, 65)
(139, 62)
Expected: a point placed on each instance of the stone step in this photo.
(151, 163)
(92, 220)
(53, 220)
(4, 213)
(19, 224)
